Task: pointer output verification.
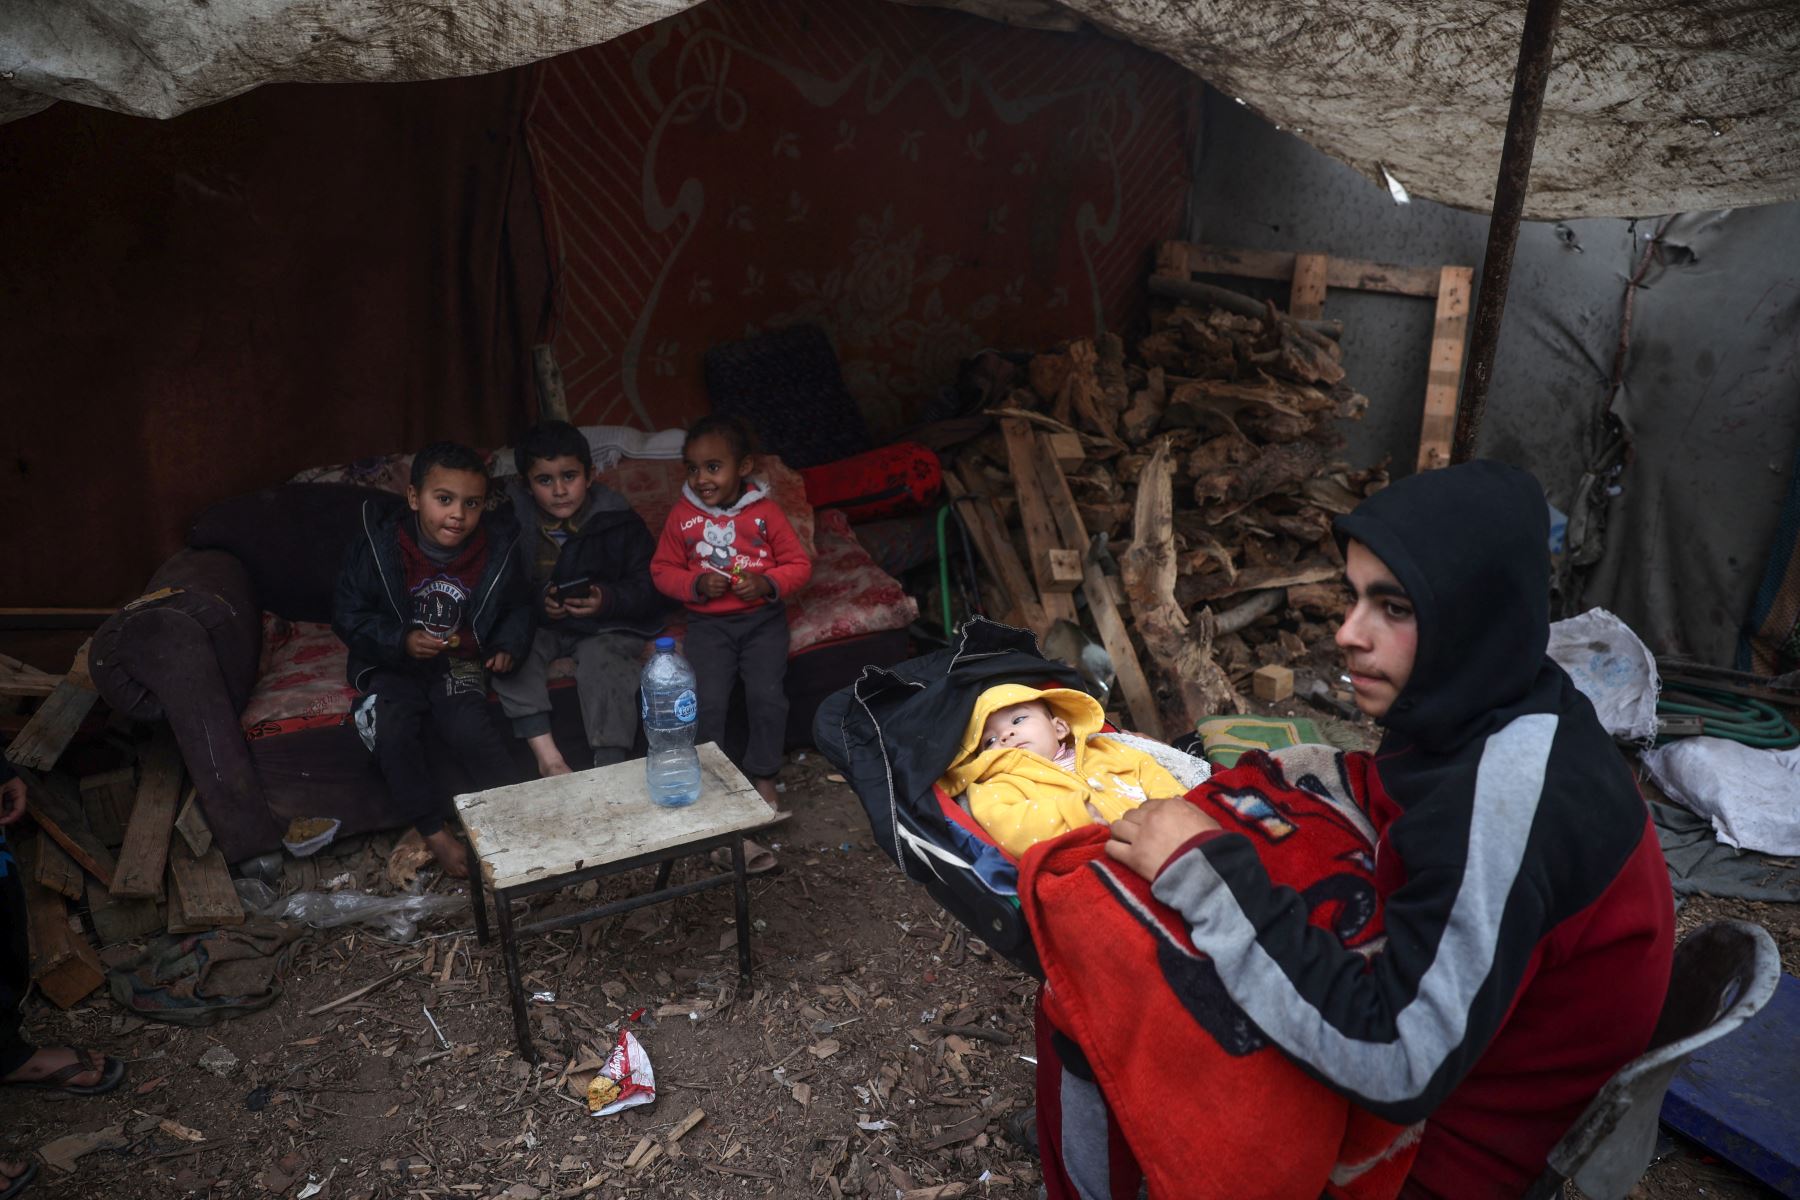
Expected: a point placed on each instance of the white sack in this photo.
(1613, 669)
(1751, 796)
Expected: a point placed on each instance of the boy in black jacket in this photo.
(587, 556)
(429, 601)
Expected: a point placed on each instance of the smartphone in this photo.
(571, 589)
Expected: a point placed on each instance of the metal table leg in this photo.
(477, 900)
(741, 887)
(509, 949)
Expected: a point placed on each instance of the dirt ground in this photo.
(878, 1052)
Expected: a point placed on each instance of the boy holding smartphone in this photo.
(588, 556)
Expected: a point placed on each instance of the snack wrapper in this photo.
(625, 1081)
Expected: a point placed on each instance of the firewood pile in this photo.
(1201, 461)
(128, 843)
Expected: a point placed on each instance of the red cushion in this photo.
(882, 483)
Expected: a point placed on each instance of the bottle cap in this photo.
(665, 643)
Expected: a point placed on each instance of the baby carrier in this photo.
(895, 730)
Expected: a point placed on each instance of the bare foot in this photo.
(765, 788)
(549, 759)
(9, 1170)
(452, 858)
(51, 1059)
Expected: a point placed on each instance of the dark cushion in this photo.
(291, 539)
(786, 386)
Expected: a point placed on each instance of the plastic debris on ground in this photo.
(397, 917)
(309, 835)
(1751, 796)
(625, 1081)
(1614, 670)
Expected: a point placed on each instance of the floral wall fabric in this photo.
(921, 183)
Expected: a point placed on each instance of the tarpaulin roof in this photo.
(1652, 107)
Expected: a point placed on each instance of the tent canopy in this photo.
(1652, 107)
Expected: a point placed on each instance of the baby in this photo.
(1034, 765)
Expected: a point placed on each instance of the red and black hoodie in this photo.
(1528, 910)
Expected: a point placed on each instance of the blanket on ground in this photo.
(1208, 1106)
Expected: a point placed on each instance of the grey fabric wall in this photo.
(1711, 391)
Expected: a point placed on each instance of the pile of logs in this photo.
(1203, 456)
(128, 845)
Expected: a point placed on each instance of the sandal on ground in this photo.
(111, 1072)
(758, 858)
(16, 1185)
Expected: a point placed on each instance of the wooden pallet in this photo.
(1309, 277)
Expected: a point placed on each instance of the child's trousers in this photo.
(15, 970)
(447, 698)
(606, 682)
(752, 646)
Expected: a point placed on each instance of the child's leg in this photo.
(15, 973)
(525, 699)
(402, 705)
(711, 648)
(606, 680)
(762, 662)
(460, 714)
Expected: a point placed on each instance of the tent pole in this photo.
(1535, 46)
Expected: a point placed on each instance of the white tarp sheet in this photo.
(1652, 108)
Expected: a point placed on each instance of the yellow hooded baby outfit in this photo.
(1022, 798)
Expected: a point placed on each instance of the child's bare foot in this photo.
(11, 1173)
(549, 759)
(452, 857)
(765, 788)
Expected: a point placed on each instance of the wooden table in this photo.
(553, 833)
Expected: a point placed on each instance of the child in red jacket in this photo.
(731, 557)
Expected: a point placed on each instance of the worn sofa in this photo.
(231, 643)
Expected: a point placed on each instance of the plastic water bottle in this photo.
(670, 711)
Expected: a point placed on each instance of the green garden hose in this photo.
(1724, 715)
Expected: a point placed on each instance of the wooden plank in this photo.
(106, 800)
(14, 682)
(1357, 274)
(1272, 683)
(47, 734)
(1449, 333)
(1104, 595)
(63, 962)
(1306, 298)
(54, 618)
(57, 809)
(1066, 449)
(191, 824)
(1061, 570)
(56, 871)
(200, 888)
(117, 920)
(145, 851)
(996, 549)
(1041, 532)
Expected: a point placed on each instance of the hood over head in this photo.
(1469, 544)
(755, 488)
(1083, 713)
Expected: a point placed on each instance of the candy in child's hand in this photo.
(454, 641)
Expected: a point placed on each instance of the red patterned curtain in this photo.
(921, 183)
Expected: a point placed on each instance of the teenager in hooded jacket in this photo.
(1530, 923)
